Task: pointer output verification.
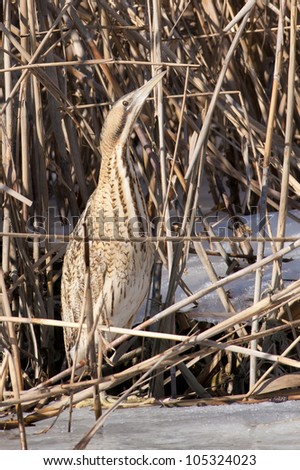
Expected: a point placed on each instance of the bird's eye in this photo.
(125, 103)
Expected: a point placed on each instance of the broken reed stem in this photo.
(15, 194)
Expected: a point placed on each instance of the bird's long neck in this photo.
(120, 192)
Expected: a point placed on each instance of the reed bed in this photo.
(225, 121)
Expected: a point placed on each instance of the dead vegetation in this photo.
(226, 118)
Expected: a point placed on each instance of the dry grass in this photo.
(225, 118)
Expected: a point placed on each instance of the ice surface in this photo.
(249, 426)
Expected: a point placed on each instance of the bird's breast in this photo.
(120, 200)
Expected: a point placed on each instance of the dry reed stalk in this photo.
(151, 239)
(253, 353)
(69, 64)
(16, 195)
(16, 390)
(92, 324)
(12, 337)
(228, 307)
(23, 111)
(206, 125)
(156, 56)
(283, 206)
(3, 374)
(265, 175)
(7, 138)
(79, 326)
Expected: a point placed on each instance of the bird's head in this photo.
(123, 114)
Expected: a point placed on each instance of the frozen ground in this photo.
(241, 427)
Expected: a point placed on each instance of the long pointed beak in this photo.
(141, 94)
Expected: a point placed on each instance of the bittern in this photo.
(120, 272)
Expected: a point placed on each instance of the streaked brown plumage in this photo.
(119, 271)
